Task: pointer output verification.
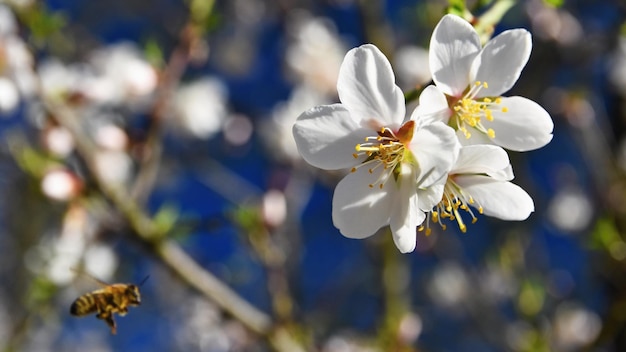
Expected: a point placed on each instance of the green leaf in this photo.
(43, 23)
(457, 7)
(154, 53)
(554, 3)
(165, 218)
(531, 297)
(247, 218)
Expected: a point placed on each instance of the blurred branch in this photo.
(152, 148)
(486, 23)
(190, 43)
(375, 28)
(168, 251)
(395, 283)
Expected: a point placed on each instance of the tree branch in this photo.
(170, 252)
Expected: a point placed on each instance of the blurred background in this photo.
(154, 138)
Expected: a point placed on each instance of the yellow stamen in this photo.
(454, 200)
(469, 111)
(387, 149)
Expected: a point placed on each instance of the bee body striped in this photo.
(106, 301)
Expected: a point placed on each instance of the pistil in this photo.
(386, 149)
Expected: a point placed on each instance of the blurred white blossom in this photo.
(449, 285)
(316, 52)
(519, 336)
(553, 23)
(64, 252)
(59, 81)
(60, 184)
(277, 130)
(122, 74)
(410, 328)
(274, 207)
(20, 3)
(617, 67)
(203, 329)
(346, 343)
(58, 140)
(238, 129)
(200, 107)
(111, 137)
(9, 96)
(8, 24)
(100, 261)
(412, 67)
(16, 63)
(570, 210)
(575, 326)
(113, 166)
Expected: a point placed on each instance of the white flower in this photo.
(394, 156)
(123, 74)
(59, 81)
(9, 95)
(200, 107)
(277, 130)
(316, 51)
(480, 179)
(473, 78)
(411, 64)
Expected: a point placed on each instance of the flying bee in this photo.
(110, 299)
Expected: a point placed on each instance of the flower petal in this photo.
(430, 196)
(480, 159)
(406, 214)
(326, 136)
(525, 126)
(501, 61)
(503, 200)
(453, 46)
(475, 139)
(433, 106)
(359, 211)
(505, 174)
(366, 86)
(436, 148)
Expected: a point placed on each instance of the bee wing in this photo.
(84, 273)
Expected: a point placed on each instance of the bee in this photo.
(110, 299)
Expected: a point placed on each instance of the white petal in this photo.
(406, 214)
(453, 46)
(430, 196)
(501, 61)
(479, 159)
(475, 139)
(359, 211)
(327, 135)
(525, 126)
(433, 106)
(366, 86)
(436, 148)
(503, 200)
(505, 174)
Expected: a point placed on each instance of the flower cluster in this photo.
(444, 158)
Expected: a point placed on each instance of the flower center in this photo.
(469, 111)
(388, 149)
(454, 200)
